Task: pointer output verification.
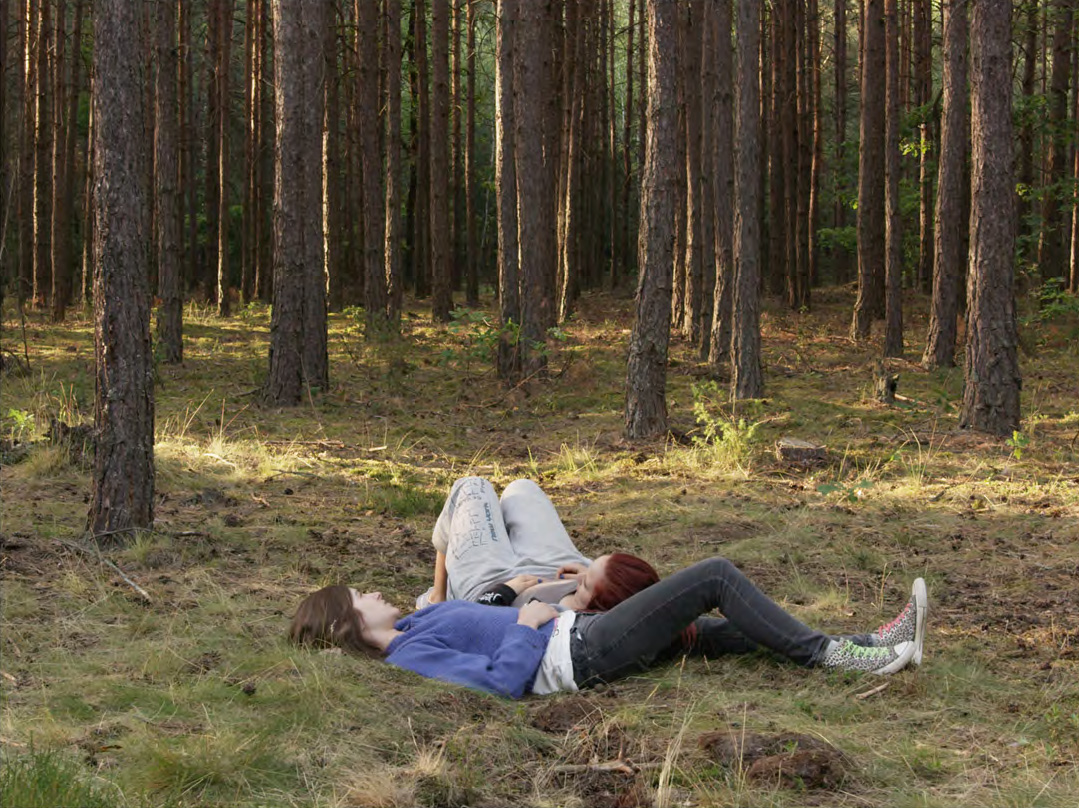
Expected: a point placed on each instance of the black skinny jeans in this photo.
(650, 626)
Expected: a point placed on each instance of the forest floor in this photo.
(187, 693)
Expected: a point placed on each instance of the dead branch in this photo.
(96, 553)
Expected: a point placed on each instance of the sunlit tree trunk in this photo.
(893, 330)
(509, 358)
(170, 290)
(439, 212)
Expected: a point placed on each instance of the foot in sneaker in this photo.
(909, 625)
(847, 656)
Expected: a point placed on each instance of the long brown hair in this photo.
(327, 618)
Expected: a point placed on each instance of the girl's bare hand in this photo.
(536, 613)
(571, 570)
(520, 583)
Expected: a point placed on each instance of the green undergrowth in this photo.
(183, 692)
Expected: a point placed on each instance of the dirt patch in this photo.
(788, 760)
(565, 714)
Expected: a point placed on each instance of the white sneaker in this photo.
(909, 625)
(881, 660)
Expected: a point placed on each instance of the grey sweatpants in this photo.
(488, 541)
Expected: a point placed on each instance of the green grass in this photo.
(194, 698)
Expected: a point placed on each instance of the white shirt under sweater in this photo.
(555, 672)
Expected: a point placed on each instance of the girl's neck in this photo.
(381, 638)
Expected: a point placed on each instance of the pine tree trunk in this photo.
(6, 186)
(723, 148)
(64, 150)
(923, 80)
(570, 217)
(332, 192)
(777, 180)
(457, 105)
(535, 180)
(1050, 244)
(747, 379)
(170, 312)
(298, 322)
(646, 376)
(439, 212)
(123, 477)
(267, 149)
(991, 367)
(43, 174)
(509, 358)
(1073, 284)
(25, 184)
(893, 330)
(816, 139)
(373, 205)
(627, 151)
(949, 264)
(211, 177)
(224, 282)
(871, 174)
(392, 246)
(251, 110)
(472, 286)
(690, 68)
(1026, 133)
(839, 211)
(422, 236)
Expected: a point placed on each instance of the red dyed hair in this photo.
(625, 575)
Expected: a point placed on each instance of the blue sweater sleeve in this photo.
(507, 673)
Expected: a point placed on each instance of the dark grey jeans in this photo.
(650, 626)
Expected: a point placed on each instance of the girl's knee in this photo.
(523, 487)
(719, 566)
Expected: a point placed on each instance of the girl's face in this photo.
(586, 585)
(375, 613)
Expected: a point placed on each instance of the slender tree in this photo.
(298, 322)
(25, 183)
(439, 212)
(839, 206)
(893, 331)
(509, 358)
(747, 378)
(991, 389)
(646, 376)
(472, 287)
(948, 263)
(43, 173)
(392, 246)
(170, 312)
(123, 477)
(871, 174)
(373, 207)
(923, 82)
(689, 63)
(1050, 243)
(722, 180)
(1026, 132)
(224, 53)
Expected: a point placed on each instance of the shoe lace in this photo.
(899, 619)
(867, 651)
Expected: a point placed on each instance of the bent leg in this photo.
(641, 630)
(536, 532)
(477, 547)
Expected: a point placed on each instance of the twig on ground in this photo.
(871, 692)
(279, 472)
(8, 676)
(621, 766)
(96, 552)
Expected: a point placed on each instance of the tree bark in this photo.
(392, 246)
(690, 68)
(123, 478)
(747, 379)
(723, 147)
(509, 357)
(893, 331)
(871, 175)
(646, 377)
(991, 389)
(923, 80)
(839, 212)
(298, 322)
(627, 151)
(170, 312)
(948, 263)
(439, 212)
(472, 275)
(43, 174)
(62, 237)
(374, 226)
(536, 167)
(571, 209)
(777, 180)
(1050, 244)
(25, 183)
(224, 283)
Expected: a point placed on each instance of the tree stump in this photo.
(800, 452)
(885, 386)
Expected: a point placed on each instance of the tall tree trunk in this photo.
(570, 218)
(251, 111)
(646, 375)
(777, 180)
(25, 183)
(43, 174)
(439, 213)
(923, 80)
(422, 236)
(170, 312)
(1050, 244)
(374, 226)
(472, 286)
(392, 246)
(123, 477)
(803, 125)
(509, 358)
(893, 330)
(816, 139)
(991, 390)
(871, 174)
(87, 279)
(458, 179)
(211, 167)
(949, 265)
(332, 192)
(1073, 285)
(627, 150)
(224, 283)
(533, 137)
(839, 190)
(6, 187)
(298, 322)
(62, 236)
(690, 68)
(1026, 132)
(188, 126)
(747, 379)
(723, 190)
(267, 138)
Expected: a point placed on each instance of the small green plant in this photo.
(45, 779)
(725, 440)
(847, 493)
(1018, 441)
(20, 426)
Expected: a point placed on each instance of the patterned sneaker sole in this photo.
(921, 602)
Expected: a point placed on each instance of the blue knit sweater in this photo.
(468, 644)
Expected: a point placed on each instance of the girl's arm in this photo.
(441, 576)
